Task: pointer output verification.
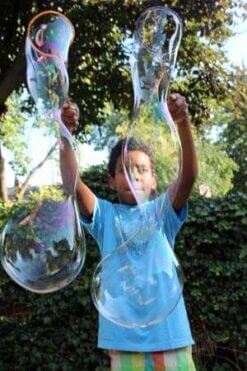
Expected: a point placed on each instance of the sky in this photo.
(236, 50)
(236, 46)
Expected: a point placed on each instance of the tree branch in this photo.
(24, 186)
(3, 187)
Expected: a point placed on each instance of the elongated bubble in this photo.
(155, 48)
(49, 37)
(140, 283)
(43, 245)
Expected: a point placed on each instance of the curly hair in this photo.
(133, 145)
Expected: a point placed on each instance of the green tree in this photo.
(12, 131)
(98, 67)
(97, 63)
(216, 168)
(15, 128)
(233, 118)
(12, 127)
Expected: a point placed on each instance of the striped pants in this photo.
(171, 360)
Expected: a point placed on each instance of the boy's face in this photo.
(142, 176)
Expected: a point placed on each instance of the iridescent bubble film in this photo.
(43, 245)
(155, 47)
(47, 45)
(140, 283)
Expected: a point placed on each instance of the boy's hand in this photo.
(70, 115)
(178, 108)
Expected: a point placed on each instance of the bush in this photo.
(59, 331)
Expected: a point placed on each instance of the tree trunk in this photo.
(3, 187)
(24, 186)
(13, 78)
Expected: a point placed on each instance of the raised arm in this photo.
(85, 197)
(181, 189)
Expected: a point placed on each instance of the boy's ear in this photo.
(154, 186)
(111, 182)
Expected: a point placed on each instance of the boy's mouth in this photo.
(139, 190)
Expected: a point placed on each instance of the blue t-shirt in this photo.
(174, 331)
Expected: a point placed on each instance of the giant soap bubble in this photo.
(156, 42)
(43, 245)
(140, 283)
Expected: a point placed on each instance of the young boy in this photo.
(166, 345)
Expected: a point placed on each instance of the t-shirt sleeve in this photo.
(95, 224)
(172, 220)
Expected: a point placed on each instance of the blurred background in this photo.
(59, 331)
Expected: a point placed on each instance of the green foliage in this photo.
(233, 119)
(97, 63)
(46, 192)
(59, 331)
(213, 252)
(216, 168)
(149, 128)
(17, 126)
(12, 132)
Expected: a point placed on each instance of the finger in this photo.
(74, 106)
(75, 110)
(172, 97)
(68, 121)
(69, 104)
(174, 104)
(177, 110)
(66, 103)
(176, 96)
(181, 115)
(180, 101)
(70, 115)
(71, 112)
(72, 127)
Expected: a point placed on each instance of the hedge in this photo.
(59, 331)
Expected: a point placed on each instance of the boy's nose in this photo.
(135, 173)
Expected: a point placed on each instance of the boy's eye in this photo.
(120, 170)
(142, 169)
